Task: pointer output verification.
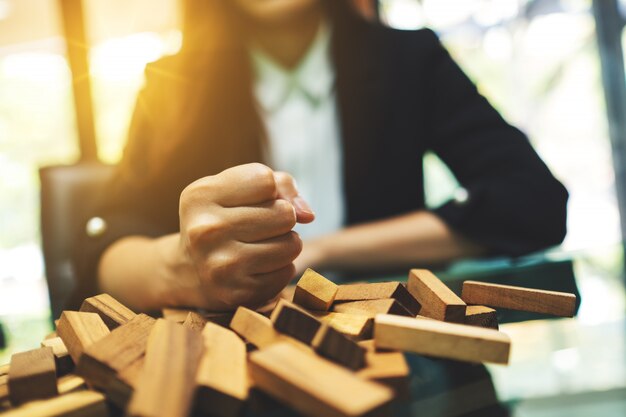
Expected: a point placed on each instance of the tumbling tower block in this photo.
(519, 298)
(437, 300)
(314, 291)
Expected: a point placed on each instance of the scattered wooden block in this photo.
(195, 321)
(167, 382)
(295, 322)
(371, 308)
(179, 315)
(481, 316)
(388, 368)
(314, 386)
(519, 298)
(437, 300)
(32, 376)
(255, 328)
(79, 330)
(75, 404)
(120, 389)
(440, 339)
(103, 359)
(337, 347)
(62, 358)
(51, 336)
(70, 383)
(222, 376)
(113, 312)
(314, 291)
(353, 325)
(377, 291)
(288, 293)
(4, 391)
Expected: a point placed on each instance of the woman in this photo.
(192, 217)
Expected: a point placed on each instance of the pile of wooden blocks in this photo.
(322, 349)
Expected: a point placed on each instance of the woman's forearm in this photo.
(409, 240)
(147, 273)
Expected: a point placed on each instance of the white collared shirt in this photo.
(299, 109)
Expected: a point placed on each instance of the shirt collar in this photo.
(313, 75)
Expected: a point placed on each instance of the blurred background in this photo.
(554, 68)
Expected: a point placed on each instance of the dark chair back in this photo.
(68, 193)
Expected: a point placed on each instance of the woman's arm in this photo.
(408, 240)
(235, 247)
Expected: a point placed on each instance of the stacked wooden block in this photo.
(312, 350)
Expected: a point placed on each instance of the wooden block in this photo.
(179, 315)
(288, 293)
(62, 358)
(295, 322)
(519, 298)
(437, 300)
(4, 391)
(195, 321)
(75, 404)
(222, 376)
(481, 316)
(120, 389)
(353, 325)
(167, 382)
(377, 291)
(255, 328)
(113, 312)
(32, 376)
(70, 383)
(315, 386)
(372, 307)
(388, 368)
(337, 347)
(440, 339)
(79, 330)
(314, 291)
(51, 336)
(103, 359)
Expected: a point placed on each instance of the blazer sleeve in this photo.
(514, 204)
(128, 205)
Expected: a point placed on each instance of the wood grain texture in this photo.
(437, 300)
(377, 291)
(339, 348)
(113, 312)
(222, 377)
(76, 404)
(354, 325)
(388, 368)
(481, 316)
(441, 339)
(255, 328)
(315, 292)
(62, 358)
(167, 382)
(195, 321)
(32, 376)
(315, 386)
(103, 359)
(295, 322)
(371, 308)
(120, 389)
(519, 298)
(79, 330)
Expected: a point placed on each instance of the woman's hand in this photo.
(236, 232)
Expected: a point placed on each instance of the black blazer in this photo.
(399, 95)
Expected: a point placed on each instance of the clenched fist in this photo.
(236, 231)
